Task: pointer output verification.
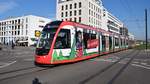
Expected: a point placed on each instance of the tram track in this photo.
(29, 70)
(123, 68)
(22, 72)
(19, 72)
(131, 53)
(12, 71)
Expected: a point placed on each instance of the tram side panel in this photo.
(84, 43)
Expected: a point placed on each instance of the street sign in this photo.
(37, 33)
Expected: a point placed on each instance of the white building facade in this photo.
(89, 12)
(113, 23)
(21, 29)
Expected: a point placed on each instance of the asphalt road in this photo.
(126, 67)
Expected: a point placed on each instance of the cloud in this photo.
(6, 6)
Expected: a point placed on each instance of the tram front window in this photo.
(45, 41)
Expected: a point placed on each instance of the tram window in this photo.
(63, 39)
(87, 38)
(116, 42)
(93, 36)
(121, 41)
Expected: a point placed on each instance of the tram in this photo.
(65, 42)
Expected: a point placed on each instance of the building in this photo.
(89, 12)
(114, 24)
(124, 31)
(131, 36)
(21, 30)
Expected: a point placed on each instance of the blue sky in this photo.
(131, 12)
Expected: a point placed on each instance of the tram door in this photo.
(103, 43)
(79, 43)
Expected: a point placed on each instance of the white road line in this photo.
(136, 62)
(24, 56)
(137, 59)
(144, 63)
(147, 65)
(7, 64)
(141, 66)
(105, 60)
(28, 59)
(122, 62)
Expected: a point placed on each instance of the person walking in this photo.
(12, 45)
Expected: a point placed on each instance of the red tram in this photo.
(64, 42)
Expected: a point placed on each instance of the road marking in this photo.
(28, 59)
(137, 59)
(144, 63)
(7, 64)
(136, 62)
(141, 66)
(23, 56)
(122, 62)
(147, 65)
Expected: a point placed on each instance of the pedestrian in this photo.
(13, 45)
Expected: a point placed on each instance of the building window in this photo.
(19, 21)
(66, 14)
(92, 13)
(92, 6)
(79, 19)
(80, 5)
(15, 32)
(75, 13)
(62, 8)
(70, 13)
(26, 26)
(79, 12)
(75, 19)
(70, 19)
(26, 32)
(66, 7)
(26, 20)
(92, 20)
(96, 16)
(18, 32)
(62, 14)
(70, 6)
(75, 5)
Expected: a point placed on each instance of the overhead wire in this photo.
(131, 14)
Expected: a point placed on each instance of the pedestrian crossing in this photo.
(142, 63)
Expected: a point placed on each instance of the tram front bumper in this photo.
(42, 59)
